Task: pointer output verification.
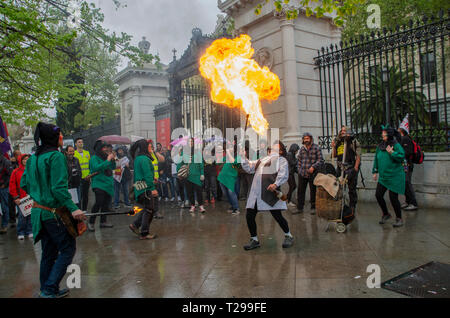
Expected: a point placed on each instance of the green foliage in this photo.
(368, 105)
(342, 8)
(393, 13)
(44, 63)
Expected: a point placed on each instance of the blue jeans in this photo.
(173, 186)
(24, 225)
(162, 187)
(231, 195)
(237, 186)
(4, 201)
(58, 250)
(122, 186)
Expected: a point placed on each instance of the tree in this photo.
(393, 14)
(37, 66)
(343, 9)
(368, 105)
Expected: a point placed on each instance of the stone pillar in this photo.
(136, 91)
(290, 82)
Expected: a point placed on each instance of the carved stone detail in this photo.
(264, 57)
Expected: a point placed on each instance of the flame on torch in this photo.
(237, 80)
(135, 210)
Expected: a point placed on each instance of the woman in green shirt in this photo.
(144, 171)
(388, 164)
(102, 165)
(195, 178)
(45, 180)
(228, 180)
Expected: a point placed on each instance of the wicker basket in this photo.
(327, 207)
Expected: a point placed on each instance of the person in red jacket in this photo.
(24, 227)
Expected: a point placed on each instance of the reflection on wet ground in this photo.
(199, 255)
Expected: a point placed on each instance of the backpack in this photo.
(418, 155)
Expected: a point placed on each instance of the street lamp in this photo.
(385, 77)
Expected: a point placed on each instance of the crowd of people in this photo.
(54, 177)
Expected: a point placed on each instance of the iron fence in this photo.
(197, 108)
(381, 77)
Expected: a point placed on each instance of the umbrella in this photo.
(218, 140)
(116, 140)
(183, 141)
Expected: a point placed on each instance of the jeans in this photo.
(102, 201)
(237, 186)
(231, 195)
(121, 186)
(58, 250)
(4, 201)
(393, 197)
(24, 225)
(162, 187)
(292, 186)
(172, 182)
(211, 186)
(301, 191)
(251, 223)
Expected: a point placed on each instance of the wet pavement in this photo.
(199, 255)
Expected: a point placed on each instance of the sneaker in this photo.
(128, 206)
(297, 212)
(45, 295)
(202, 209)
(192, 209)
(159, 199)
(186, 203)
(411, 207)
(384, 218)
(106, 225)
(91, 227)
(235, 212)
(63, 293)
(179, 198)
(291, 204)
(134, 229)
(196, 203)
(20, 237)
(116, 207)
(253, 244)
(398, 223)
(30, 236)
(288, 241)
(173, 199)
(166, 199)
(148, 237)
(404, 205)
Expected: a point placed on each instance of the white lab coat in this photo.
(282, 168)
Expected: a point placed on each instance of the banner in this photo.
(163, 132)
(4, 141)
(25, 206)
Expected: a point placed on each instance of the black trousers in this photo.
(292, 186)
(409, 190)
(102, 202)
(247, 183)
(251, 222)
(302, 184)
(144, 219)
(84, 194)
(181, 185)
(393, 197)
(211, 186)
(190, 189)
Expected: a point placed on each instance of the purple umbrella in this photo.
(184, 141)
(116, 140)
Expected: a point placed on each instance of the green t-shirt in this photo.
(102, 181)
(144, 171)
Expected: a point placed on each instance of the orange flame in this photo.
(136, 210)
(237, 80)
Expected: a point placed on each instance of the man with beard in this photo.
(346, 141)
(309, 159)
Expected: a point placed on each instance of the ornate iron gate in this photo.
(380, 78)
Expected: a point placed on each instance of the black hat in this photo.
(46, 137)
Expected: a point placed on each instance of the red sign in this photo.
(163, 132)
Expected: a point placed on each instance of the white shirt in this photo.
(282, 168)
